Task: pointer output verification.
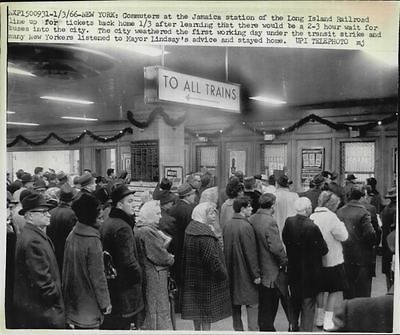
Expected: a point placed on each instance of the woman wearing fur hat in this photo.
(84, 282)
(155, 259)
(206, 296)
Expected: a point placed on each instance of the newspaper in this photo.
(371, 27)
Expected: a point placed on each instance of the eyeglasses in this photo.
(43, 211)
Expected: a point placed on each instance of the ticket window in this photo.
(358, 158)
(274, 159)
(207, 159)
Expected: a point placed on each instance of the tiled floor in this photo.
(281, 324)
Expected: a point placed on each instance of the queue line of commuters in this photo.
(218, 262)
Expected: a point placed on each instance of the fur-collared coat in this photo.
(118, 239)
(38, 300)
(206, 294)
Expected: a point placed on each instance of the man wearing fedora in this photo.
(87, 183)
(388, 225)
(62, 220)
(119, 241)
(182, 212)
(27, 183)
(38, 300)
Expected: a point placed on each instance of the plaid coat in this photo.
(205, 286)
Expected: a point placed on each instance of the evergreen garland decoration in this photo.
(72, 141)
(157, 111)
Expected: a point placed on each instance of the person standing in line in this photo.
(334, 280)
(240, 249)
(27, 184)
(84, 281)
(234, 189)
(155, 260)
(62, 220)
(17, 183)
(358, 249)
(285, 200)
(314, 192)
(119, 241)
(334, 187)
(38, 300)
(87, 185)
(206, 298)
(251, 192)
(273, 260)
(375, 198)
(388, 225)
(182, 212)
(194, 180)
(305, 247)
(349, 186)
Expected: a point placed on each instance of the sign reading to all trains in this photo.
(165, 85)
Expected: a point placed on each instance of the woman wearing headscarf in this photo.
(334, 280)
(206, 296)
(152, 246)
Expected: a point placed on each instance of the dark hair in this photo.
(38, 169)
(233, 187)
(356, 194)
(266, 200)
(19, 173)
(240, 202)
(165, 184)
(271, 180)
(110, 171)
(123, 174)
(206, 179)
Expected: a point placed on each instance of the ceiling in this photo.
(112, 77)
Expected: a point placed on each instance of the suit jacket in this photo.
(372, 315)
(38, 298)
(271, 252)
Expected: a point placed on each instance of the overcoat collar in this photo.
(85, 230)
(35, 229)
(117, 213)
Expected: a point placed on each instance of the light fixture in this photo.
(78, 118)
(23, 123)
(10, 112)
(268, 100)
(75, 101)
(146, 50)
(14, 70)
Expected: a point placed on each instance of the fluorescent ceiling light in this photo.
(146, 50)
(10, 112)
(268, 100)
(14, 70)
(388, 58)
(23, 123)
(78, 118)
(76, 101)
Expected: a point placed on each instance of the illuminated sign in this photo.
(170, 86)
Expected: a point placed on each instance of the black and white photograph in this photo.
(220, 169)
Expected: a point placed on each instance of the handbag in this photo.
(109, 268)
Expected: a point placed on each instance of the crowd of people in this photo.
(81, 256)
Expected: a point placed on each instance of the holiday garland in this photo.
(158, 111)
(72, 141)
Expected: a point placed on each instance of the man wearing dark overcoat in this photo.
(38, 301)
(272, 259)
(119, 241)
(240, 249)
(62, 220)
(305, 247)
(358, 249)
(182, 213)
